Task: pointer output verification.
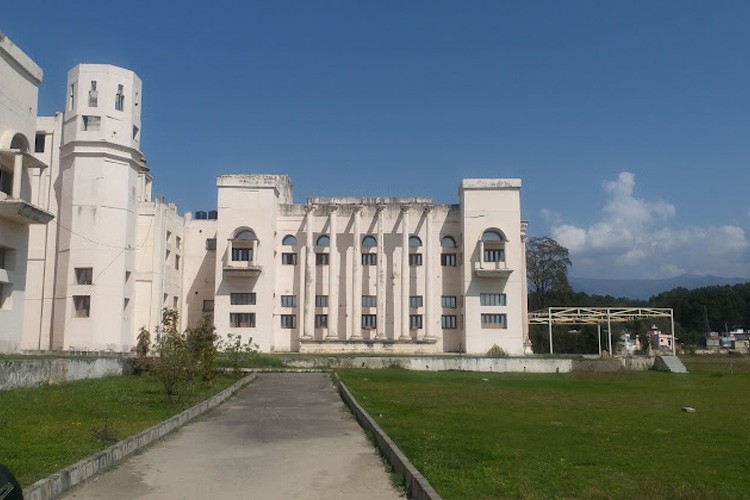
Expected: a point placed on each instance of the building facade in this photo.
(399, 275)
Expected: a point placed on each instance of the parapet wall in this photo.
(35, 372)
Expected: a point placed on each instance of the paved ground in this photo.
(286, 435)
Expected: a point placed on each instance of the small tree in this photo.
(203, 344)
(174, 367)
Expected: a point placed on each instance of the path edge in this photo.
(66, 479)
(417, 486)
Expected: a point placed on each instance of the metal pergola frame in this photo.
(598, 316)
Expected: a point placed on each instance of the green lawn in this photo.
(622, 435)
(47, 428)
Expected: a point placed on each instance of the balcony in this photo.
(242, 268)
(497, 269)
(22, 212)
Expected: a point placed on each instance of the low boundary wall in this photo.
(66, 479)
(17, 373)
(417, 486)
(472, 364)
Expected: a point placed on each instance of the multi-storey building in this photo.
(361, 274)
(331, 275)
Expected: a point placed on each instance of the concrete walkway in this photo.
(286, 435)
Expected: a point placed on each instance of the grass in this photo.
(619, 435)
(47, 428)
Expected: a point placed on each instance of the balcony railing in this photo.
(242, 268)
(497, 269)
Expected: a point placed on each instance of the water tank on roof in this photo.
(201, 215)
(213, 215)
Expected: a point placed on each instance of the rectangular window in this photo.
(178, 242)
(369, 321)
(494, 255)
(39, 141)
(120, 98)
(288, 301)
(369, 259)
(321, 301)
(321, 259)
(242, 299)
(208, 306)
(210, 243)
(125, 304)
(81, 306)
(84, 275)
(288, 321)
(415, 259)
(369, 301)
(93, 95)
(242, 320)
(91, 123)
(449, 301)
(242, 254)
(492, 299)
(415, 301)
(448, 259)
(289, 259)
(494, 321)
(176, 261)
(321, 321)
(415, 321)
(166, 256)
(72, 96)
(127, 276)
(448, 321)
(175, 302)
(6, 182)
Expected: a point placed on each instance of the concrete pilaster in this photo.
(333, 277)
(429, 279)
(356, 324)
(381, 270)
(309, 312)
(405, 272)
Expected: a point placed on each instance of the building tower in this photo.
(103, 177)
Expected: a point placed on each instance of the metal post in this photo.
(599, 337)
(674, 337)
(549, 322)
(609, 330)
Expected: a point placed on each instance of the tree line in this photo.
(696, 311)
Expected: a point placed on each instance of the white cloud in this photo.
(631, 239)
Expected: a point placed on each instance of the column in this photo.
(356, 328)
(405, 334)
(309, 312)
(381, 270)
(527, 348)
(429, 278)
(333, 277)
(17, 174)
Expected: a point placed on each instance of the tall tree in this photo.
(547, 272)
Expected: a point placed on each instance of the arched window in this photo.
(448, 242)
(493, 235)
(19, 141)
(289, 240)
(414, 242)
(245, 235)
(369, 241)
(323, 241)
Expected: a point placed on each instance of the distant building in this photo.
(329, 275)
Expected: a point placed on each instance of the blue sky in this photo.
(628, 121)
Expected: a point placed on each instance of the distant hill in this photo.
(644, 289)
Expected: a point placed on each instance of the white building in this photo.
(20, 189)
(330, 275)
